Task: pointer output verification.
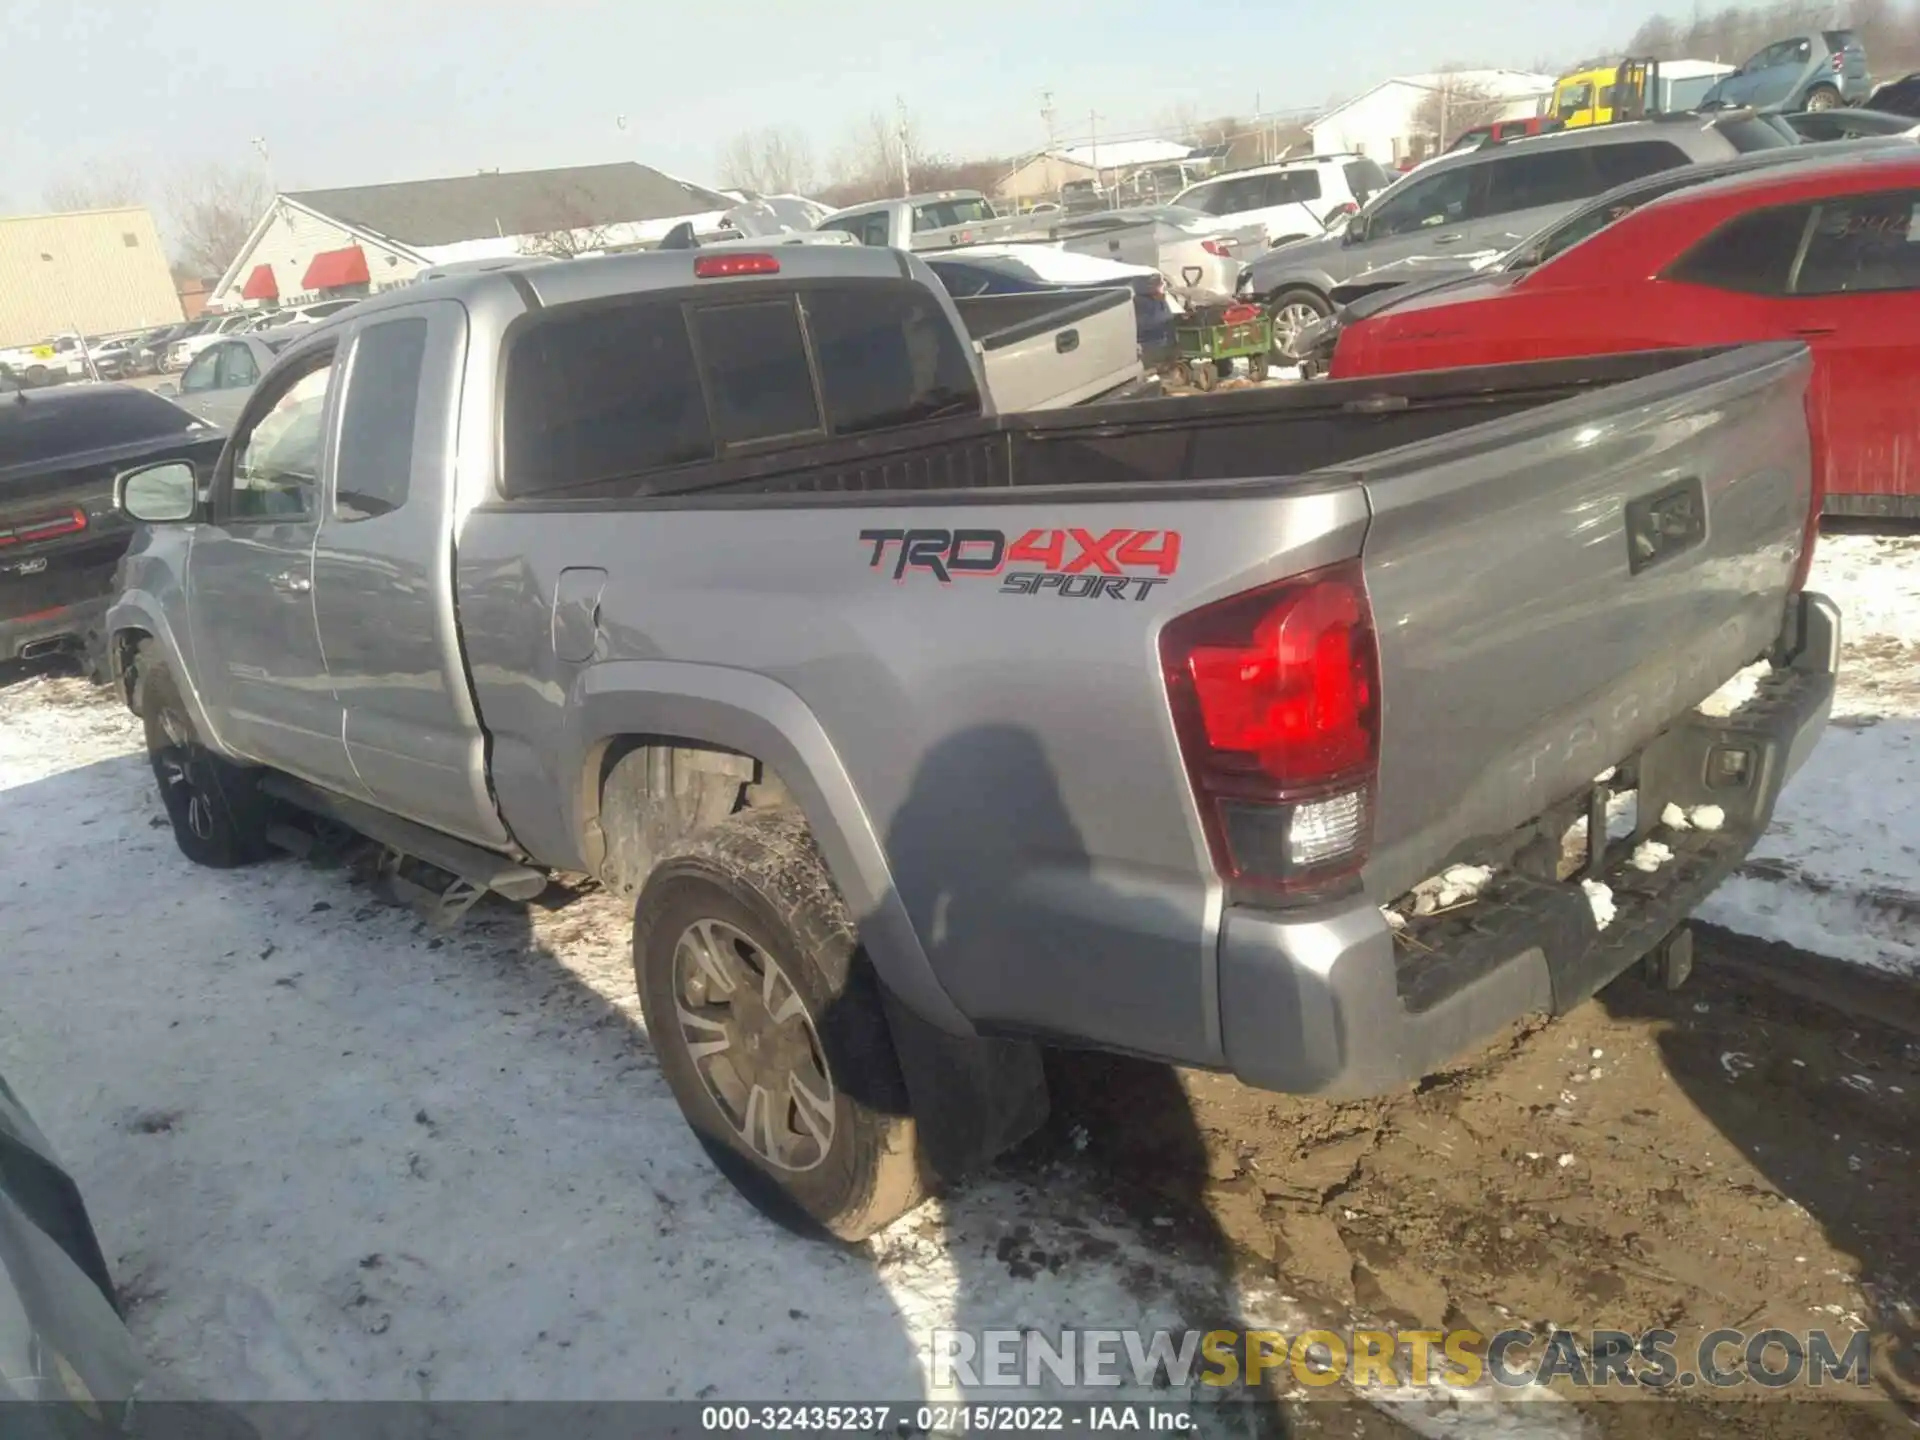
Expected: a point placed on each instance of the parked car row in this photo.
(1487, 200)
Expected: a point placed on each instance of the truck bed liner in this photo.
(1247, 437)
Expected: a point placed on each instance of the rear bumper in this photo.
(1330, 1003)
(67, 624)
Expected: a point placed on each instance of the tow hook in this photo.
(1670, 962)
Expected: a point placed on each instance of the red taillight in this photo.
(1838, 62)
(718, 267)
(51, 528)
(1276, 699)
(1221, 248)
(1347, 209)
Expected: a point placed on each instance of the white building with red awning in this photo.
(329, 244)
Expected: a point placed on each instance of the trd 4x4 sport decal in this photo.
(1077, 564)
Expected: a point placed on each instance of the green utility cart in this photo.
(1209, 338)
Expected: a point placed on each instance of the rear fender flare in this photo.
(753, 715)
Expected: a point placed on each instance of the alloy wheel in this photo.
(754, 1045)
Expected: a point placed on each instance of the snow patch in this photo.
(1455, 885)
(1600, 901)
(1650, 855)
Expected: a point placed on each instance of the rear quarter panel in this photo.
(993, 772)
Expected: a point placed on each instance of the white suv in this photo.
(1294, 199)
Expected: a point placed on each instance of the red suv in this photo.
(1823, 252)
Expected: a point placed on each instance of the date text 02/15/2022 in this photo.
(1120, 564)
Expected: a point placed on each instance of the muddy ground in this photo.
(1739, 1153)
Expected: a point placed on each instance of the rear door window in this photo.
(375, 466)
(887, 357)
(602, 393)
(1862, 244)
(1751, 253)
(1617, 164)
(756, 368)
(1528, 180)
(1293, 187)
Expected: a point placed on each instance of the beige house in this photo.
(94, 271)
(1041, 176)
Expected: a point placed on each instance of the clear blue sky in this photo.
(361, 91)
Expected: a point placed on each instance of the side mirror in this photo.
(1356, 229)
(162, 494)
(166, 388)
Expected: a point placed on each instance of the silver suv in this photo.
(1488, 200)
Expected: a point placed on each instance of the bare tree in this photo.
(574, 232)
(99, 185)
(211, 211)
(868, 165)
(1455, 105)
(771, 161)
(1180, 122)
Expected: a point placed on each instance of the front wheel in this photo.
(1822, 97)
(1293, 311)
(218, 814)
(767, 1019)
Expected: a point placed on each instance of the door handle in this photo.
(1812, 330)
(288, 583)
(1066, 340)
(1453, 239)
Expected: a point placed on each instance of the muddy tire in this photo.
(767, 1019)
(218, 814)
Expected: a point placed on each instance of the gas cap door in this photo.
(576, 612)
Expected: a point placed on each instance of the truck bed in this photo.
(1046, 349)
(1249, 437)
(1004, 723)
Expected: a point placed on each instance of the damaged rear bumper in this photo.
(1329, 1002)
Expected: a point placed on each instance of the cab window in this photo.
(276, 461)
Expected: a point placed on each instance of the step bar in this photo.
(477, 867)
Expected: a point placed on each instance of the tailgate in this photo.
(1042, 356)
(1554, 589)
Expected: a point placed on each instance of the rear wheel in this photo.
(218, 814)
(768, 1023)
(1293, 311)
(1822, 97)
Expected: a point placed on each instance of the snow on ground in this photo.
(1839, 872)
(334, 1153)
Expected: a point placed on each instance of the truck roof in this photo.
(597, 276)
(924, 197)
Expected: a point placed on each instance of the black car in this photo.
(1898, 97)
(144, 356)
(60, 537)
(969, 275)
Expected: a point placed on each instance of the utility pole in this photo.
(1046, 118)
(1446, 93)
(266, 162)
(906, 178)
(73, 319)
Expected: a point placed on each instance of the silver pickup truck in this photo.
(921, 736)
